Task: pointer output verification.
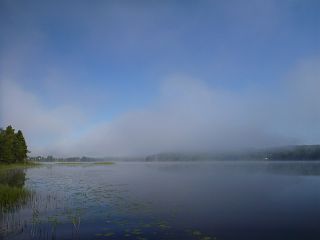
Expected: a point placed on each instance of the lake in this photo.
(166, 200)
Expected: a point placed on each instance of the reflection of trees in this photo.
(294, 168)
(13, 178)
(12, 191)
(13, 195)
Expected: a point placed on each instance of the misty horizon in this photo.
(144, 119)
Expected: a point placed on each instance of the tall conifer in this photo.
(20, 147)
(8, 145)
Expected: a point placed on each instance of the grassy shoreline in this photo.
(12, 190)
(103, 163)
(6, 166)
(84, 163)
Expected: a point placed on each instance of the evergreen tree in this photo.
(8, 139)
(1, 145)
(13, 147)
(20, 147)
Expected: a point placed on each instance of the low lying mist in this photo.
(188, 116)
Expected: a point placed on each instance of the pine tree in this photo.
(8, 140)
(13, 147)
(20, 147)
(1, 145)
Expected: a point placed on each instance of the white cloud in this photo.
(188, 116)
(42, 125)
(192, 116)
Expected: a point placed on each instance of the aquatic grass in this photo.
(126, 217)
(11, 197)
(208, 238)
(70, 163)
(103, 163)
(163, 225)
(76, 222)
(196, 233)
(200, 235)
(83, 163)
(53, 221)
(109, 234)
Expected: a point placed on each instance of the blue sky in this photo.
(84, 66)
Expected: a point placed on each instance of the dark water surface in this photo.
(202, 201)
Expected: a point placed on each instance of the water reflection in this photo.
(13, 177)
(285, 168)
(227, 200)
(13, 196)
(295, 168)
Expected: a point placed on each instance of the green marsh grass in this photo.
(11, 197)
(103, 163)
(84, 163)
(70, 163)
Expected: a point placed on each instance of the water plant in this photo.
(53, 220)
(11, 196)
(103, 163)
(196, 233)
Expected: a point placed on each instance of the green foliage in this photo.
(7, 152)
(103, 163)
(20, 147)
(13, 147)
(10, 196)
(12, 191)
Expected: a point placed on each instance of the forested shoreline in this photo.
(288, 153)
(13, 147)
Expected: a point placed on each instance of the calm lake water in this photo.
(202, 201)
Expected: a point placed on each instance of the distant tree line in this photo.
(69, 159)
(300, 152)
(289, 153)
(13, 147)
